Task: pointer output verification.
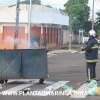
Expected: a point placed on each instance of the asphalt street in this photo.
(62, 67)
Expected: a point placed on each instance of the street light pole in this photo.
(93, 15)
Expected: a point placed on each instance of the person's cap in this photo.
(92, 33)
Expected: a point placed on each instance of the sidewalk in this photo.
(60, 51)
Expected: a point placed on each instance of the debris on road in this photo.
(87, 89)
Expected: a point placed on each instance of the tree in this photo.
(88, 26)
(78, 12)
(33, 2)
(97, 24)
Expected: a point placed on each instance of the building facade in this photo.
(48, 27)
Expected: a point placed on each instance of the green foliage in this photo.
(97, 24)
(78, 11)
(88, 26)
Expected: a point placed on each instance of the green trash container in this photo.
(34, 63)
(23, 63)
(10, 61)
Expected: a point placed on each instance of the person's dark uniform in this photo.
(91, 55)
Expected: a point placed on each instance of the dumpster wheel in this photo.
(1, 81)
(41, 81)
(6, 81)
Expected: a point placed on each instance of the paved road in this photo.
(69, 66)
(62, 67)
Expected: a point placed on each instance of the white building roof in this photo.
(40, 15)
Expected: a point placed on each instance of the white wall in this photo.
(65, 37)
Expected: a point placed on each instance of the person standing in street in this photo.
(91, 55)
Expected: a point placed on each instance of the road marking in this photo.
(22, 80)
(53, 87)
(49, 82)
(30, 80)
(18, 88)
(56, 85)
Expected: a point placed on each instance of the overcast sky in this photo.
(55, 3)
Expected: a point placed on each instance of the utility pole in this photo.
(17, 25)
(29, 23)
(93, 15)
(70, 31)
